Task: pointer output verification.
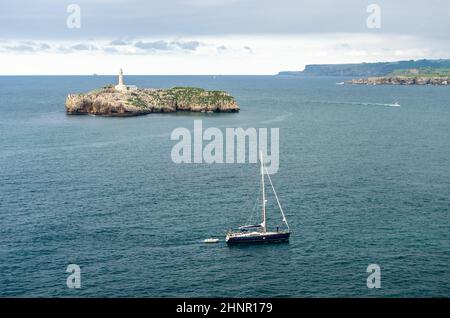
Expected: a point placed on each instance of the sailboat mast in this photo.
(263, 192)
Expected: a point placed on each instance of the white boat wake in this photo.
(277, 118)
(396, 104)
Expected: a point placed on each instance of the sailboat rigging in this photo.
(259, 233)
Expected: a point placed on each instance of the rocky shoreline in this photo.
(401, 80)
(107, 101)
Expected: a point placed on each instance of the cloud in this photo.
(110, 50)
(118, 43)
(343, 46)
(117, 46)
(83, 47)
(163, 45)
(44, 46)
(190, 45)
(248, 49)
(234, 49)
(25, 47)
(221, 48)
(153, 46)
(20, 48)
(72, 48)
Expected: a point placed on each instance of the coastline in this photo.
(401, 80)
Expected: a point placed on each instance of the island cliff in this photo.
(109, 101)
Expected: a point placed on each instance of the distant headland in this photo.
(128, 100)
(420, 72)
(368, 69)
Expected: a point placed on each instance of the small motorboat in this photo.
(396, 104)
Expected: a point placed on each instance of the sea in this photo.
(362, 184)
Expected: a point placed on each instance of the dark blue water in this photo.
(361, 183)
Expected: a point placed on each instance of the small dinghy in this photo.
(211, 240)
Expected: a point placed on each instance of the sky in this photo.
(179, 37)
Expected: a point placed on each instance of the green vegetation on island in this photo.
(422, 72)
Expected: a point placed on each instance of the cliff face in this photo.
(401, 80)
(109, 102)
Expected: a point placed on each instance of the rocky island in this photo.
(122, 100)
(402, 80)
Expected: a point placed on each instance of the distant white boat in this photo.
(340, 83)
(211, 240)
(396, 104)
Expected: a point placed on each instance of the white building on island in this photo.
(121, 87)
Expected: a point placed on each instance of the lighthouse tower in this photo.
(121, 87)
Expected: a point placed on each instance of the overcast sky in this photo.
(214, 36)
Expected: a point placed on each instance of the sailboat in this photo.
(259, 233)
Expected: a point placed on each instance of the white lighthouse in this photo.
(121, 87)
